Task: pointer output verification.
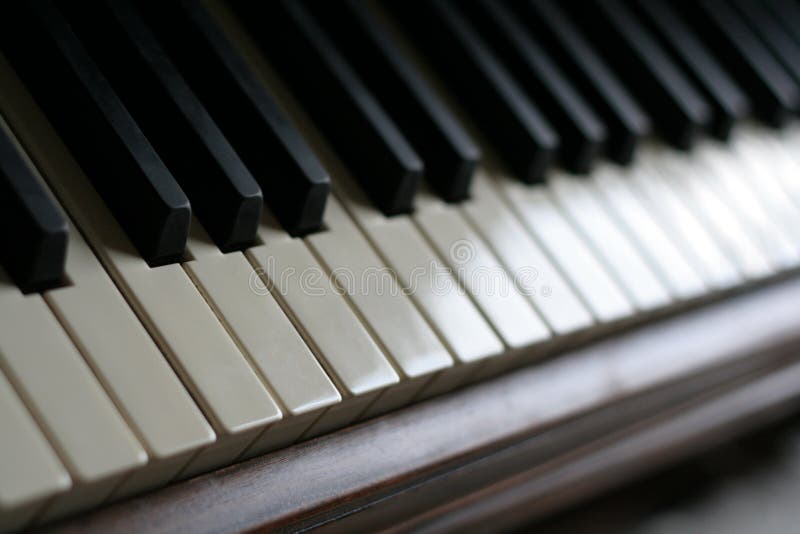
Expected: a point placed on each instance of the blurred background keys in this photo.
(358, 127)
(223, 193)
(488, 92)
(293, 181)
(33, 229)
(582, 132)
(625, 120)
(102, 136)
(449, 153)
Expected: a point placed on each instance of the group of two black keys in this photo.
(154, 101)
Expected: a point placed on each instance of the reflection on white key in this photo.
(480, 273)
(665, 257)
(30, 472)
(58, 387)
(634, 275)
(520, 254)
(265, 335)
(724, 175)
(545, 221)
(692, 182)
(685, 228)
(166, 301)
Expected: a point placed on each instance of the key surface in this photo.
(357, 125)
(59, 389)
(294, 184)
(33, 234)
(583, 207)
(223, 193)
(678, 110)
(519, 132)
(30, 471)
(729, 102)
(582, 133)
(448, 152)
(110, 147)
(625, 120)
(773, 93)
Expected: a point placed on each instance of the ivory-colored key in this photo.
(545, 221)
(691, 182)
(59, 389)
(164, 298)
(30, 472)
(480, 273)
(666, 259)
(306, 292)
(675, 217)
(263, 332)
(136, 376)
(634, 275)
(726, 170)
(531, 269)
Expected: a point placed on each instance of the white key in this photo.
(265, 335)
(781, 152)
(725, 172)
(532, 270)
(130, 366)
(480, 273)
(30, 472)
(48, 372)
(691, 182)
(306, 292)
(665, 257)
(381, 304)
(208, 362)
(545, 221)
(634, 275)
(675, 216)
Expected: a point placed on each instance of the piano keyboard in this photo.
(227, 228)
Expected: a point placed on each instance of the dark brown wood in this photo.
(538, 432)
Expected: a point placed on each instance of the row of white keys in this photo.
(128, 363)
(456, 325)
(691, 181)
(727, 173)
(30, 472)
(320, 312)
(59, 389)
(531, 269)
(667, 260)
(234, 289)
(545, 221)
(166, 301)
(583, 207)
(673, 214)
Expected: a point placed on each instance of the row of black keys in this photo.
(165, 117)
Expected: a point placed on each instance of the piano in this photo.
(386, 265)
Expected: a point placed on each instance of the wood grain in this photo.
(420, 465)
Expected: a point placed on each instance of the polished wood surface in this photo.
(515, 447)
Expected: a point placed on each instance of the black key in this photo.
(96, 127)
(678, 109)
(33, 229)
(582, 132)
(787, 12)
(448, 152)
(625, 120)
(223, 193)
(518, 131)
(772, 33)
(294, 182)
(729, 102)
(374, 149)
(773, 93)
